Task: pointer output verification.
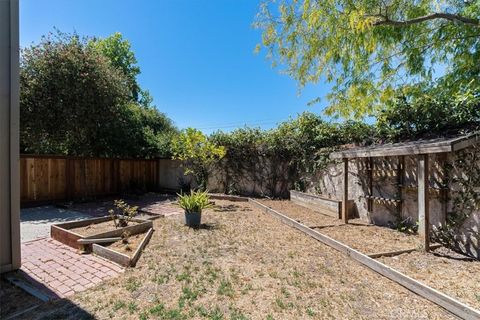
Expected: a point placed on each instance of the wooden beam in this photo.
(345, 191)
(100, 240)
(423, 200)
(410, 148)
(452, 305)
(370, 185)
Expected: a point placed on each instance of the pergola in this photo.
(421, 149)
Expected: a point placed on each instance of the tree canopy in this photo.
(75, 101)
(370, 49)
(120, 55)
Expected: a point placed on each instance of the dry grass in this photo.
(444, 270)
(244, 264)
(366, 239)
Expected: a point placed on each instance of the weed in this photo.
(225, 288)
(247, 288)
(187, 295)
(310, 312)
(279, 302)
(184, 276)
(269, 317)
(132, 307)
(237, 315)
(215, 314)
(161, 279)
(157, 310)
(132, 284)
(161, 312)
(118, 305)
(285, 292)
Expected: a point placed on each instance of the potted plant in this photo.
(193, 204)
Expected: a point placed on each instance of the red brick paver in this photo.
(61, 269)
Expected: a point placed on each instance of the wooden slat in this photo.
(60, 178)
(454, 306)
(423, 200)
(345, 191)
(410, 148)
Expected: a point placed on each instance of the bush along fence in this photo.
(47, 178)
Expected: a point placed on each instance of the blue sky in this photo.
(197, 56)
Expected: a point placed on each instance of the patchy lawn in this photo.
(243, 264)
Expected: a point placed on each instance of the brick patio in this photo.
(63, 271)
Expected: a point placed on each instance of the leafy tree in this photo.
(69, 96)
(74, 101)
(429, 115)
(198, 153)
(368, 49)
(121, 57)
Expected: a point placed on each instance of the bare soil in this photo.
(445, 270)
(130, 247)
(97, 228)
(242, 264)
(14, 299)
(367, 239)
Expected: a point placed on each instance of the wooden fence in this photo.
(45, 178)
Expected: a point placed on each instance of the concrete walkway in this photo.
(35, 222)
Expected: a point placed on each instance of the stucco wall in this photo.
(329, 183)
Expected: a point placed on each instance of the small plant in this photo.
(122, 214)
(407, 226)
(126, 240)
(194, 202)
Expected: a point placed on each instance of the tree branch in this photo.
(433, 16)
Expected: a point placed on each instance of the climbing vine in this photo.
(462, 175)
(271, 162)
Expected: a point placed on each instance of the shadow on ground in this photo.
(17, 303)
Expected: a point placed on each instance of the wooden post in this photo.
(370, 185)
(345, 191)
(401, 184)
(423, 200)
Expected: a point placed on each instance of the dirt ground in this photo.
(447, 271)
(97, 228)
(367, 239)
(14, 299)
(242, 264)
(130, 247)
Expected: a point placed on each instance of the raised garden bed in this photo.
(125, 255)
(327, 206)
(70, 232)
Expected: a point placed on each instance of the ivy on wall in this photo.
(463, 178)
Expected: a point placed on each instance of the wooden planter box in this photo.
(121, 258)
(61, 232)
(330, 207)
